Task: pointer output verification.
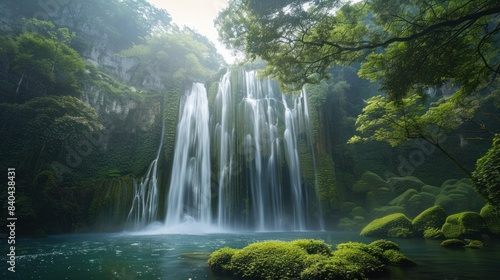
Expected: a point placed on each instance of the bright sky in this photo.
(199, 15)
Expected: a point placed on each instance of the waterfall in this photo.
(252, 153)
(189, 193)
(145, 201)
(225, 132)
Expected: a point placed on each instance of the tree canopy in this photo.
(407, 46)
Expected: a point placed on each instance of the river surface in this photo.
(156, 255)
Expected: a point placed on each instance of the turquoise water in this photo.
(181, 256)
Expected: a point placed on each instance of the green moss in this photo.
(385, 245)
(433, 217)
(307, 259)
(397, 258)
(453, 244)
(269, 260)
(400, 185)
(492, 218)
(403, 198)
(400, 232)
(433, 233)
(346, 207)
(369, 182)
(487, 174)
(430, 189)
(380, 227)
(358, 211)
(475, 244)
(220, 260)
(351, 224)
(464, 224)
(418, 203)
(313, 246)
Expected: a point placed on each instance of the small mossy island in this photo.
(308, 259)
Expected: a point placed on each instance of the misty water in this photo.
(149, 255)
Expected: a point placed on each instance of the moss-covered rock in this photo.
(418, 203)
(397, 258)
(433, 233)
(463, 225)
(380, 227)
(358, 211)
(430, 189)
(403, 198)
(220, 260)
(400, 185)
(269, 260)
(385, 245)
(369, 182)
(491, 218)
(347, 207)
(453, 243)
(475, 244)
(433, 217)
(308, 260)
(400, 232)
(313, 246)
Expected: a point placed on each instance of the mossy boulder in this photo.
(433, 233)
(403, 198)
(433, 217)
(358, 211)
(354, 224)
(313, 246)
(475, 244)
(453, 243)
(430, 189)
(400, 232)
(385, 245)
(268, 260)
(464, 225)
(347, 207)
(220, 260)
(400, 185)
(369, 181)
(458, 196)
(307, 259)
(380, 227)
(397, 258)
(491, 218)
(418, 203)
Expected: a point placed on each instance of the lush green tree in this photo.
(486, 177)
(185, 55)
(39, 62)
(408, 46)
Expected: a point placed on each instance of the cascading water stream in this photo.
(189, 193)
(145, 201)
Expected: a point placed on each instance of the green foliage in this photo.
(491, 217)
(464, 224)
(486, 177)
(186, 56)
(380, 227)
(453, 243)
(400, 232)
(433, 217)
